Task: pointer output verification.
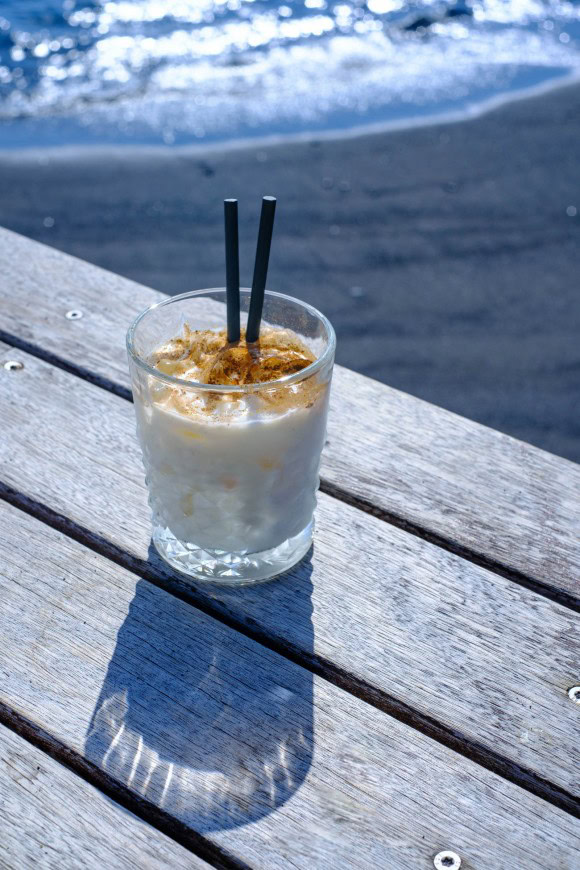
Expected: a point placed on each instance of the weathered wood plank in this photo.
(504, 501)
(483, 656)
(271, 764)
(51, 818)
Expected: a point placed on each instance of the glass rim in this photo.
(287, 380)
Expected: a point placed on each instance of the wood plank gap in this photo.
(401, 711)
(552, 593)
(116, 791)
(558, 596)
(60, 363)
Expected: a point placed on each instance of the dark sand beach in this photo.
(447, 256)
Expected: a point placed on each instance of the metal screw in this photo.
(574, 694)
(447, 861)
(74, 315)
(13, 365)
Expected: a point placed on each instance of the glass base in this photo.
(231, 569)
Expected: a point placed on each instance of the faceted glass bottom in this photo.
(231, 569)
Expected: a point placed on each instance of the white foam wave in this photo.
(215, 68)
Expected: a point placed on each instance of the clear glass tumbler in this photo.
(233, 489)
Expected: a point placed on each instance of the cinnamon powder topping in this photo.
(206, 357)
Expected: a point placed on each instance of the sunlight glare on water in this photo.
(185, 70)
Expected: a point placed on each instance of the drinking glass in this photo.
(232, 489)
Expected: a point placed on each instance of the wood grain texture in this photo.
(485, 657)
(52, 819)
(504, 501)
(277, 767)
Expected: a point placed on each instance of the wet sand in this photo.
(448, 257)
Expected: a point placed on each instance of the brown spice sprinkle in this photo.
(206, 357)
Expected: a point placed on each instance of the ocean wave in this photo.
(153, 70)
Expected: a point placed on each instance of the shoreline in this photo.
(446, 256)
(470, 112)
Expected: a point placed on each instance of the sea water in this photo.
(182, 71)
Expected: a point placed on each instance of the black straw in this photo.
(261, 268)
(232, 269)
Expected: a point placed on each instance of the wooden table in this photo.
(401, 693)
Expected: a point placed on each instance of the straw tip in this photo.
(268, 199)
(230, 200)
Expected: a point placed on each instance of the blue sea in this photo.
(182, 71)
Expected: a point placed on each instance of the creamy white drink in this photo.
(231, 432)
(233, 471)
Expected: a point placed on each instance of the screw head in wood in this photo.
(574, 694)
(75, 314)
(447, 861)
(13, 365)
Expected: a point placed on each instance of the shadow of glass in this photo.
(197, 718)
